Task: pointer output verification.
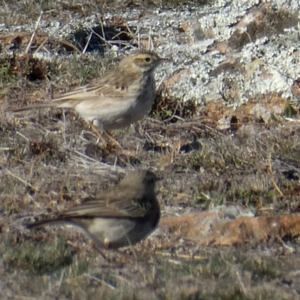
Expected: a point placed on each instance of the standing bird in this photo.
(120, 216)
(117, 99)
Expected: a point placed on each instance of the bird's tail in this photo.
(36, 106)
(43, 223)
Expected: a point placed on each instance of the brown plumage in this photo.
(120, 216)
(117, 99)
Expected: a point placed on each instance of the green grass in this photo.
(41, 257)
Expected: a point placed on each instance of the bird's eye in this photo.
(147, 59)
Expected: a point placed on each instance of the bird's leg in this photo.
(127, 153)
(108, 257)
(112, 140)
(98, 133)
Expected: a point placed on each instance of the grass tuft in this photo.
(40, 257)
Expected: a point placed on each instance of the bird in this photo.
(117, 99)
(118, 217)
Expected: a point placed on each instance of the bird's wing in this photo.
(124, 207)
(108, 86)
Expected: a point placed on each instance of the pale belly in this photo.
(123, 113)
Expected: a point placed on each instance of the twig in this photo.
(272, 177)
(109, 42)
(183, 256)
(62, 41)
(150, 40)
(100, 280)
(23, 136)
(276, 187)
(173, 114)
(20, 179)
(34, 32)
(87, 43)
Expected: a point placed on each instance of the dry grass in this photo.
(48, 164)
(50, 161)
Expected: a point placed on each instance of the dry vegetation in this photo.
(49, 160)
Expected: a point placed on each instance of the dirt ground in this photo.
(50, 160)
